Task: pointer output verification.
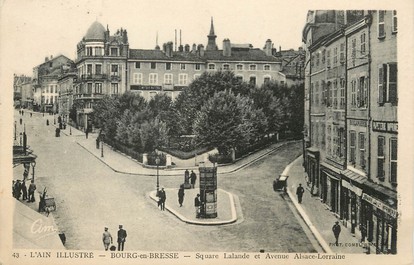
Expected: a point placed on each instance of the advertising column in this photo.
(208, 192)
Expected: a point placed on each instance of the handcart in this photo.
(280, 183)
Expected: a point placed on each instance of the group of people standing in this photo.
(19, 188)
(107, 239)
(192, 178)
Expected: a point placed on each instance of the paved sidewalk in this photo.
(226, 211)
(122, 163)
(317, 216)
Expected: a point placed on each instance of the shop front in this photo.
(330, 187)
(351, 205)
(312, 170)
(380, 214)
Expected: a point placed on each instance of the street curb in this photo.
(304, 216)
(184, 219)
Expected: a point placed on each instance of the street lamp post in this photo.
(15, 129)
(157, 162)
(33, 170)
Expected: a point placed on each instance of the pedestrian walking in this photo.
(122, 234)
(21, 121)
(18, 189)
(31, 114)
(22, 113)
(197, 205)
(24, 190)
(336, 229)
(86, 132)
(106, 238)
(47, 122)
(181, 195)
(163, 198)
(193, 178)
(32, 188)
(299, 192)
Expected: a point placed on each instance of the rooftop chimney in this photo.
(200, 49)
(268, 47)
(226, 48)
(194, 49)
(187, 48)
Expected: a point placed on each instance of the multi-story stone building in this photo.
(66, 87)
(170, 70)
(22, 89)
(102, 69)
(45, 82)
(351, 120)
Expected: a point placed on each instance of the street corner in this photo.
(226, 208)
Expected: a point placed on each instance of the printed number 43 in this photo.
(15, 255)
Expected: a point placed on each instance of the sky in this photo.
(36, 29)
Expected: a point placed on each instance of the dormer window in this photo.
(114, 51)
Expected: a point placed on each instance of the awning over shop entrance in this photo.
(32, 230)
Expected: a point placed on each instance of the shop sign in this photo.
(385, 126)
(385, 208)
(351, 187)
(360, 123)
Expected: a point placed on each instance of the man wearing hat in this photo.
(122, 234)
(106, 238)
(336, 229)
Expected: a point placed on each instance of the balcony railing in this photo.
(86, 77)
(88, 96)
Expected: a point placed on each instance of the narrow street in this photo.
(89, 196)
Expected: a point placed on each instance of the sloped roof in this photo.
(240, 55)
(142, 54)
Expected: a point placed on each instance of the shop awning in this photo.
(381, 191)
(351, 175)
(32, 230)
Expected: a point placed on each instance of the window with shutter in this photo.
(361, 144)
(329, 92)
(380, 158)
(381, 82)
(352, 142)
(381, 24)
(394, 21)
(392, 83)
(393, 161)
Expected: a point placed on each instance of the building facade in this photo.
(45, 82)
(351, 126)
(102, 69)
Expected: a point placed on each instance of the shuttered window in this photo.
(352, 142)
(387, 83)
(393, 160)
(381, 24)
(380, 158)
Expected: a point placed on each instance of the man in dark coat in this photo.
(32, 188)
(193, 178)
(336, 229)
(122, 234)
(299, 193)
(18, 189)
(181, 195)
(163, 197)
(197, 204)
(186, 176)
(24, 190)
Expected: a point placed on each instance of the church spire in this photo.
(211, 45)
(212, 28)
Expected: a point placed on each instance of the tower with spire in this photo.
(211, 45)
